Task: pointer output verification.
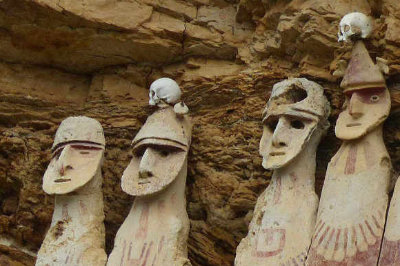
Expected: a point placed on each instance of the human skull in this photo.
(354, 24)
(164, 90)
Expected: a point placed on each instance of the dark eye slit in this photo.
(164, 150)
(297, 124)
(271, 124)
(83, 147)
(140, 151)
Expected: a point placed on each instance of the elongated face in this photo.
(283, 139)
(154, 165)
(72, 166)
(362, 112)
(292, 114)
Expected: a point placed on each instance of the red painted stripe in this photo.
(351, 161)
(323, 235)
(337, 240)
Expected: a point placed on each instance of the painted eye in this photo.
(374, 98)
(297, 124)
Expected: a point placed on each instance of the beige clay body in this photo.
(284, 217)
(354, 199)
(352, 210)
(76, 235)
(156, 230)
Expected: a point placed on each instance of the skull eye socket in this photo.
(347, 28)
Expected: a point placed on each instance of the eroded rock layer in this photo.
(98, 58)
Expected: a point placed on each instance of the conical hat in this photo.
(164, 124)
(361, 73)
(79, 128)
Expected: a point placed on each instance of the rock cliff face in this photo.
(98, 57)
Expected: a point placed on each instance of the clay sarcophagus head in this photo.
(296, 109)
(77, 154)
(160, 151)
(367, 102)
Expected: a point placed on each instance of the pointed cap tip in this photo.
(361, 73)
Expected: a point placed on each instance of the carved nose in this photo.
(64, 168)
(147, 163)
(64, 161)
(355, 107)
(61, 170)
(277, 137)
(279, 144)
(145, 174)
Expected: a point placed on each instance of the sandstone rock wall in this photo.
(97, 58)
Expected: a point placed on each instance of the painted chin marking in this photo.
(353, 125)
(62, 180)
(277, 153)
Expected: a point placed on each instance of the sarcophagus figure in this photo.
(76, 235)
(157, 227)
(354, 199)
(280, 232)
